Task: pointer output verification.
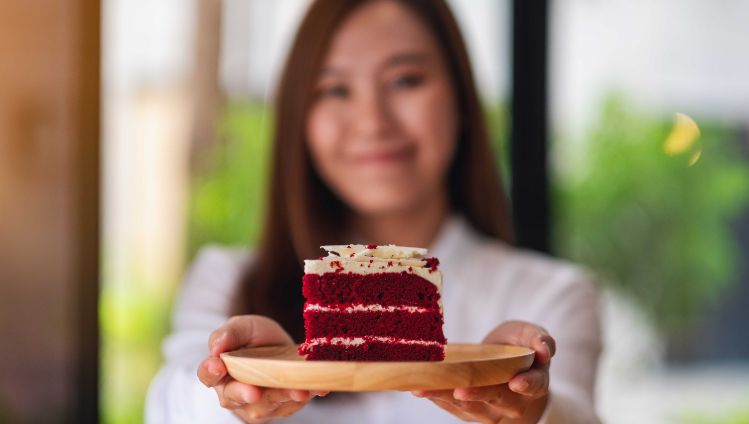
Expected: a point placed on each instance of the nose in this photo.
(372, 117)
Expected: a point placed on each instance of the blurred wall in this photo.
(48, 154)
(671, 55)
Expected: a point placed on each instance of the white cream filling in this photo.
(356, 341)
(364, 308)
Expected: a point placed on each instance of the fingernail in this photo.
(214, 371)
(521, 386)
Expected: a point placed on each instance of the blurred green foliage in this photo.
(496, 121)
(738, 415)
(133, 323)
(649, 223)
(228, 196)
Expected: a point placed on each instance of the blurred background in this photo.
(134, 132)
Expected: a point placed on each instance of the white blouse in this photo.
(486, 282)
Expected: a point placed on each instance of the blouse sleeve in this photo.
(176, 395)
(572, 317)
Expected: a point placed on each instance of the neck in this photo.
(416, 227)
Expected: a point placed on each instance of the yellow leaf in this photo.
(683, 135)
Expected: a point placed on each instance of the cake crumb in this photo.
(432, 264)
(337, 265)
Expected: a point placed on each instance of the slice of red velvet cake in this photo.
(373, 303)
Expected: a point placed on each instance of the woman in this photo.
(380, 139)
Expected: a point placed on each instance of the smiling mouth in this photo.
(385, 157)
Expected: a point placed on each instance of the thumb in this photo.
(247, 330)
(520, 333)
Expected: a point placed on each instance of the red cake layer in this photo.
(385, 288)
(374, 351)
(399, 324)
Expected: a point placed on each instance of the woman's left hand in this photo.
(522, 398)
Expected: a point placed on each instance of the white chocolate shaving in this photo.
(387, 251)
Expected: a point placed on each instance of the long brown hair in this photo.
(302, 211)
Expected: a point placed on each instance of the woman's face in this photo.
(383, 128)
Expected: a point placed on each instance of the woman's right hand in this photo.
(252, 404)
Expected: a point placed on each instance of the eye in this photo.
(339, 91)
(408, 81)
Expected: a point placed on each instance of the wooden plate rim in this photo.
(346, 375)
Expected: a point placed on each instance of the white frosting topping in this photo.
(356, 341)
(386, 251)
(364, 308)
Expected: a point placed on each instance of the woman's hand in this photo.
(522, 399)
(250, 403)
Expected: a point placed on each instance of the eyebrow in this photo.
(394, 60)
(407, 57)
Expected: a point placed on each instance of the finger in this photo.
(511, 406)
(300, 395)
(453, 409)
(246, 330)
(533, 383)
(520, 333)
(211, 371)
(258, 411)
(284, 395)
(445, 399)
(242, 393)
(480, 411)
(224, 401)
(288, 409)
(476, 411)
(434, 394)
(544, 346)
(483, 393)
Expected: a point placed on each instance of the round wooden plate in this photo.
(465, 365)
